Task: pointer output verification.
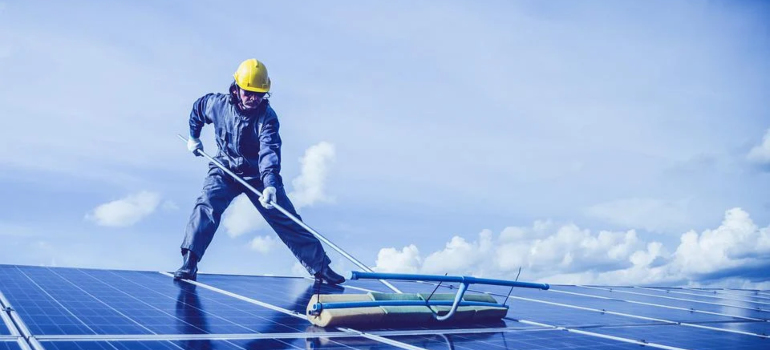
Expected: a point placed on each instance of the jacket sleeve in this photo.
(270, 152)
(199, 115)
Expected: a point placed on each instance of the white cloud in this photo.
(645, 213)
(126, 211)
(460, 256)
(309, 185)
(761, 153)
(263, 244)
(392, 260)
(242, 217)
(735, 243)
(169, 205)
(568, 254)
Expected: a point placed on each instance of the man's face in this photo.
(249, 99)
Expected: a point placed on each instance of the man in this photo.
(246, 130)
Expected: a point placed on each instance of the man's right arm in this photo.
(199, 116)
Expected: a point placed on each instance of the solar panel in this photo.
(4, 330)
(669, 300)
(9, 345)
(337, 343)
(67, 308)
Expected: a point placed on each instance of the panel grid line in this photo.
(165, 296)
(733, 292)
(294, 335)
(209, 336)
(658, 305)
(56, 301)
(599, 335)
(672, 298)
(604, 311)
(102, 302)
(670, 291)
(171, 337)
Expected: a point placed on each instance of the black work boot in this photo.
(327, 275)
(189, 269)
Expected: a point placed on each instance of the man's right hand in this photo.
(194, 144)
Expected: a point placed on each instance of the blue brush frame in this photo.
(464, 281)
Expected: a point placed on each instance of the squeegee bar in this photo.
(355, 275)
(317, 307)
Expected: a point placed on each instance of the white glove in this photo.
(268, 195)
(194, 144)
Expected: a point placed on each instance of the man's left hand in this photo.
(268, 196)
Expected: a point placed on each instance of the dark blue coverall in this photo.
(250, 146)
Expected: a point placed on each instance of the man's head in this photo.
(252, 83)
(249, 100)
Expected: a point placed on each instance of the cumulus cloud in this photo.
(761, 153)
(126, 211)
(460, 256)
(737, 242)
(262, 244)
(407, 260)
(736, 251)
(241, 217)
(644, 213)
(309, 185)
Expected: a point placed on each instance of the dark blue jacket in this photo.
(249, 143)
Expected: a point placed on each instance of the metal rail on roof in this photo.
(17, 325)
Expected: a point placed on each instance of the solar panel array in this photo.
(67, 308)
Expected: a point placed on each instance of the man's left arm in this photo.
(270, 151)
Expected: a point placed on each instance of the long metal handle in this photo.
(294, 218)
(356, 275)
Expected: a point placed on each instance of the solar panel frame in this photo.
(8, 328)
(526, 326)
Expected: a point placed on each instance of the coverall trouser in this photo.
(219, 190)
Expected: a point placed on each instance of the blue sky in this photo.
(590, 142)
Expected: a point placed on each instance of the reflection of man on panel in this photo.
(190, 317)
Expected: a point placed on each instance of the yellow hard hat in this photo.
(252, 76)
